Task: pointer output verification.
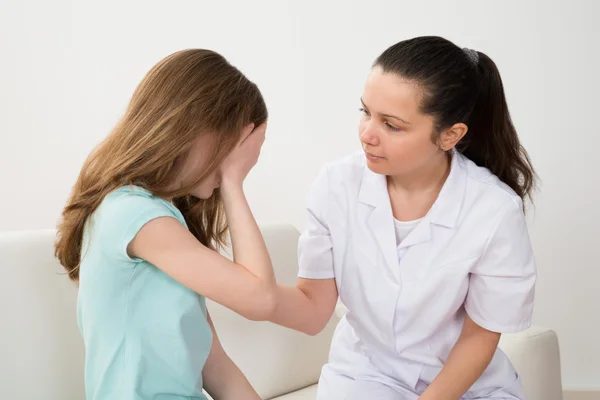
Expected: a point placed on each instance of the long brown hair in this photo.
(463, 85)
(187, 94)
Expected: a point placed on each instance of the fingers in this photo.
(247, 131)
(259, 131)
(261, 128)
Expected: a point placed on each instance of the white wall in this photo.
(67, 70)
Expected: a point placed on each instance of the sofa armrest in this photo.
(535, 355)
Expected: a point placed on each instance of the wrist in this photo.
(435, 392)
(230, 183)
(428, 396)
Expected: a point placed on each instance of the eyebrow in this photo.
(387, 115)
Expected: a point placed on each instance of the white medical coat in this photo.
(406, 304)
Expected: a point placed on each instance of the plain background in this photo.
(68, 68)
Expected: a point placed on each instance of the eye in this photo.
(391, 127)
(363, 111)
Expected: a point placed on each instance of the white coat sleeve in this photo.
(315, 257)
(502, 282)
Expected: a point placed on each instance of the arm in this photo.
(500, 299)
(306, 307)
(223, 380)
(249, 248)
(168, 245)
(248, 245)
(468, 359)
(247, 285)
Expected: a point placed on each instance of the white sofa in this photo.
(41, 352)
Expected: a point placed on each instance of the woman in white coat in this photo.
(422, 235)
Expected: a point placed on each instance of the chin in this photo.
(378, 168)
(202, 194)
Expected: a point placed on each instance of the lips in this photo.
(373, 157)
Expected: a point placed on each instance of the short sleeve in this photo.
(121, 217)
(502, 282)
(315, 256)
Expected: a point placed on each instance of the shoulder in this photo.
(338, 178)
(487, 189)
(349, 166)
(124, 211)
(128, 202)
(343, 173)
(336, 183)
(488, 201)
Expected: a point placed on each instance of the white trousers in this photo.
(336, 386)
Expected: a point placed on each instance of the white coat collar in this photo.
(444, 212)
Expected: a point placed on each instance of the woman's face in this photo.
(395, 134)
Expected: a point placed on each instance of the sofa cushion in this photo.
(309, 393)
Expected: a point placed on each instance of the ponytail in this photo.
(492, 141)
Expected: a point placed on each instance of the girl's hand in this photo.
(238, 164)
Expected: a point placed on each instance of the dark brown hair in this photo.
(188, 94)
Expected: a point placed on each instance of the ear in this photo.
(451, 136)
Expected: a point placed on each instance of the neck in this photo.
(426, 179)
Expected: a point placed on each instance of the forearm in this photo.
(306, 307)
(249, 249)
(469, 357)
(295, 310)
(223, 380)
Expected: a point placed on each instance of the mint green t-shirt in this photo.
(146, 335)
